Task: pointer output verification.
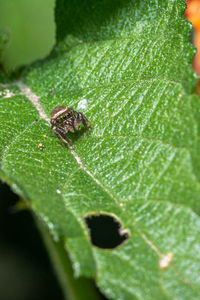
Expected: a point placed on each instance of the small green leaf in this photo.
(127, 66)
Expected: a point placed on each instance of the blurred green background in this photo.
(30, 30)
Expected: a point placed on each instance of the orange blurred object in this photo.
(192, 13)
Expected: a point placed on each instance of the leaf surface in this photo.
(127, 66)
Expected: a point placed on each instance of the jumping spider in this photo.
(64, 119)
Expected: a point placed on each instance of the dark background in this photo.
(25, 270)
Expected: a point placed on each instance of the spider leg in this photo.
(87, 121)
(53, 124)
(60, 133)
(91, 126)
(76, 124)
(85, 125)
(82, 119)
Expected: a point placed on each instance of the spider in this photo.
(64, 119)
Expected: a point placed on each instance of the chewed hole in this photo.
(105, 231)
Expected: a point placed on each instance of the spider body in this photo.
(64, 119)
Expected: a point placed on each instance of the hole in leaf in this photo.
(105, 231)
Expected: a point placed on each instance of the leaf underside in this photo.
(129, 62)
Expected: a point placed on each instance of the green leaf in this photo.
(127, 66)
(30, 30)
